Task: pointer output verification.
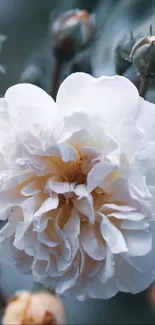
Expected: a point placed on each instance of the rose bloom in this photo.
(77, 186)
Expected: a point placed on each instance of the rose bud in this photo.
(34, 308)
(71, 32)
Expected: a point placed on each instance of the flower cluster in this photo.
(77, 186)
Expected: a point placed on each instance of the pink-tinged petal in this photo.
(92, 243)
(112, 236)
(139, 242)
(111, 98)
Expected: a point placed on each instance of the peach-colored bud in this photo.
(34, 308)
(71, 32)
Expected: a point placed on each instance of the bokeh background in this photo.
(28, 44)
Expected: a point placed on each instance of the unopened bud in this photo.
(122, 53)
(72, 32)
(34, 308)
(143, 55)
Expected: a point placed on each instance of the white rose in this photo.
(77, 186)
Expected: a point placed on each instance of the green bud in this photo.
(122, 54)
(143, 55)
(72, 32)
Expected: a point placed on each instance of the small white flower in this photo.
(77, 185)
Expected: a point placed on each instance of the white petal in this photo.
(81, 191)
(45, 239)
(112, 98)
(66, 248)
(29, 103)
(23, 262)
(108, 270)
(130, 278)
(92, 243)
(77, 137)
(144, 162)
(130, 136)
(139, 242)
(68, 280)
(76, 119)
(119, 192)
(72, 227)
(30, 189)
(102, 291)
(144, 264)
(85, 206)
(48, 205)
(15, 216)
(68, 153)
(111, 208)
(99, 173)
(10, 179)
(72, 231)
(112, 236)
(58, 187)
(132, 225)
(146, 118)
(132, 216)
(19, 235)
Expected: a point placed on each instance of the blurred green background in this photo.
(26, 25)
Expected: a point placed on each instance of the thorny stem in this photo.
(55, 77)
